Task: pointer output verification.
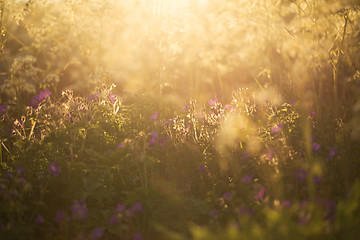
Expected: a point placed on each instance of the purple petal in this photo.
(97, 233)
(260, 194)
(39, 219)
(246, 179)
(138, 236)
(202, 168)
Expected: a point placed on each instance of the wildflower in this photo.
(300, 175)
(61, 217)
(317, 179)
(270, 153)
(304, 220)
(227, 195)
(154, 134)
(332, 153)
(3, 108)
(113, 219)
(39, 219)
(155, 116)
(214, 213)
(244, 210)
(93, 97)
(138, 236)
(8, 175)
(202, 168)
(303, 204)
(152, 142)
(36, 100)
(154, 137)
(137, 207)
(120, 145)
(97, 233)
(228, 107)
(312, 113)
(244, 155)
(185, 107)
(20, 170)
(161, 141)
(54, 169)
(292, 102)
(171, 121)
(246, 179)
(212, 102)
(120, 208)
(277, 128)
(79, 210)
(69, 117)
(112, 98)
(286, 203)
(260, 194)
(316, 147)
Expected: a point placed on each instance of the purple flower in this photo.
(69, 117)
(277, 128)
(228, 107)
(79, 210)
(120, 145)
(304, 220)
(260, 194)
(244, 155)
(327, 204)
(154, 134)
(3, 108)
(54, 169)
(214, 213)
(61, 217)
(286, 203)
(300, 175)
(202, 168)
(97, 233)
(270, 153)
(154, 137)
(20, 170)
(292, 102)
(246, 178)
(120, 208)
(185, 107)
(170, 121)
(244, 210)
(137, 207)
(138, 236)
(317, 179)
(8, 175)
(39, 219)
(228, 195)
(312, 113)
(161, 141)
(112, 98)
(155, 116)
(113, 219)
(152, 142)
(332, 153)
(93, 97)
(303, 204)
(316, 147)
(36, 100)
(212, 102)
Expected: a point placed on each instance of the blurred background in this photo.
(175, 50)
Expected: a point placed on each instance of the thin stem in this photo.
(336, 66)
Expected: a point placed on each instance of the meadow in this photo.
(180, 120)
